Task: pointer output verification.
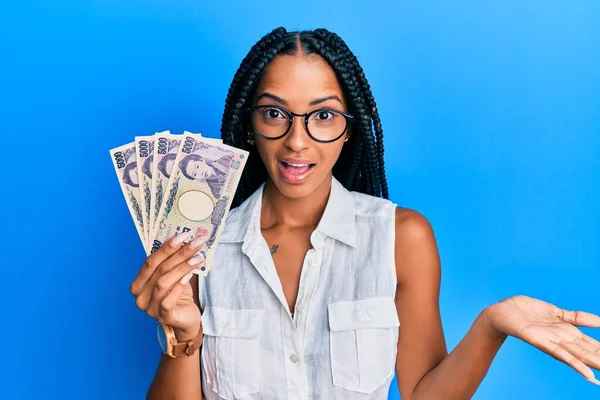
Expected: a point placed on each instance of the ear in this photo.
(348, 134)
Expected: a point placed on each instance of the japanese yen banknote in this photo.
(175, 183)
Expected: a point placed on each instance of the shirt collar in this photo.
(337, 221)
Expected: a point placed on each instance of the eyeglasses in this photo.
(324, 125)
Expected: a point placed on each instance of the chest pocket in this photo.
(231, 351)
(363, 342)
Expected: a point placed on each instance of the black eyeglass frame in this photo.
(349, 120)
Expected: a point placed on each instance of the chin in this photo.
(294, 191)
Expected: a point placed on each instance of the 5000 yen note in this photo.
(208, 140)
(166, 146)
(124, 161)
(202, 184)
(144, 148)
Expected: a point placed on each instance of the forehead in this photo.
(299, 78)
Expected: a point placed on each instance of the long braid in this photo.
(360, 166)
(259, 47)
(340, 63)
(373, 176)
(232, 126)
(370, 100)
(257, 169)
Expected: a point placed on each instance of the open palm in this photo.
(552, 330)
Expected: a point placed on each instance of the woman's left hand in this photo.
(551, 330)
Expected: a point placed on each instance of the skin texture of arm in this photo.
(178, 378)
(424, 368)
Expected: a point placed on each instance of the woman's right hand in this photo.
(162, 287)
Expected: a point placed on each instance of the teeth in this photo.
(296, 165)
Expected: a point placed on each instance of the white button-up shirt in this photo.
(340, 343)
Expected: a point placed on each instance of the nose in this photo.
(297, 138)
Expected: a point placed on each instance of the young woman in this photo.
(321, 288)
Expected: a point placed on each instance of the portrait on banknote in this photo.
(212, 171)
(130, 175)
(147, 166)
(165, 165)
(125, 164)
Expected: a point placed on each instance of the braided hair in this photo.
(360, 166)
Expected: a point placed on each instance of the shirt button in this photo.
(312, 262)
(365, 319)
(299, 307)
(294, 358)
(224, 325)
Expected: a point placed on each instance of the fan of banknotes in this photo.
(176, 183)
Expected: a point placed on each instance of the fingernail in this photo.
(594, 381)
(180, 238)
(197, 259)
(186, 278)
(197, 242)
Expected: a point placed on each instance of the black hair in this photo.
(360, 166)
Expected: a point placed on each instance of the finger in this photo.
(167, 305)
(586, 352)
(184, 253)
(165, 284)
(592, 341)
(155, 259)
(584, 355)
(580, 318)
(559, 353)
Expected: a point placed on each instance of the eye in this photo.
(323, 115)
(273, 113)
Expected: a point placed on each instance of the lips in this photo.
(295, 171)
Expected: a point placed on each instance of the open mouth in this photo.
(295, 172)
(297, 167)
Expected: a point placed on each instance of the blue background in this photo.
(491, 114)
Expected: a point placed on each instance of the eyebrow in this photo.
(312, 103)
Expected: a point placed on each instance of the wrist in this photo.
(489, 321)
(185, 334)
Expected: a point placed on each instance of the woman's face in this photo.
(296, 163)
(199, 170)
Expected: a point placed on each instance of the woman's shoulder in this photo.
(417, 258)
(366, 205)
(412, 224)
(412, 228)
(406, 218)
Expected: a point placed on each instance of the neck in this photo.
(279, 210)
